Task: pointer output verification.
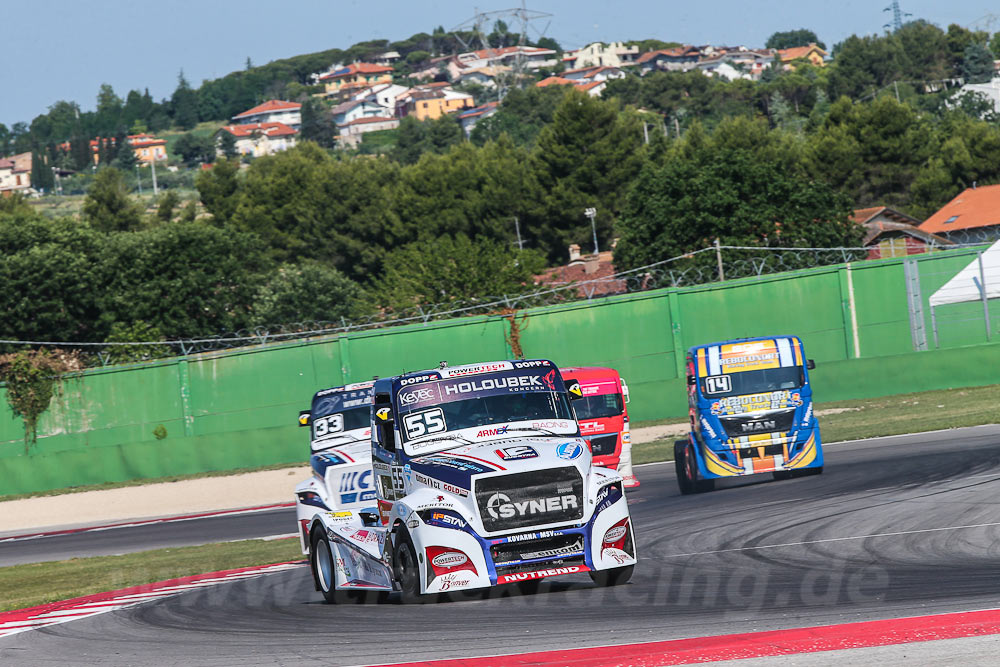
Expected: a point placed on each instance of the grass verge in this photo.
(875, 417)
(39, 583)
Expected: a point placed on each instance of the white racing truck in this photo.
(339, 422)
(482, 479)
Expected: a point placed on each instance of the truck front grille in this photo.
(778, 421)
(534, 498)
(604, 445)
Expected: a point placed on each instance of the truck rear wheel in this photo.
(680, 466)
(323, 568)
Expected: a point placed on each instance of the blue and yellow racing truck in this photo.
(751, 410)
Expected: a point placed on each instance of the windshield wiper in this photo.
(440, 438)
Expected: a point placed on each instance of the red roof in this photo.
(975, 207)
(268, 129)
(356, 68)
(271, 106)
(797, 52)
(555, 81)
(368, 119)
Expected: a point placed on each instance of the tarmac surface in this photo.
(895, 527)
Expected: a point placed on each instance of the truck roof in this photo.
(583, 373)
(740, 340)
(383, 384)
(346, 387)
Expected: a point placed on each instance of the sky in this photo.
(65, 49)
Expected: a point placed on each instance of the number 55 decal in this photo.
(424, 423)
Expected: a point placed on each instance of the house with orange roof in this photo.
(589, 74)
(355, 75)
(678, 59)
(811, 53)
(146, 147)
(272, 111)
(15, 174)
(259, 139)
(971, 217)
(594, 274)
(468, 119)
(432, 101)
(592, 88)
(889, 233)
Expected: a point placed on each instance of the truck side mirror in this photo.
(383, 415)
(810, 364)
(574, 390)
(692, 380)
(625, 391)
(305, 418)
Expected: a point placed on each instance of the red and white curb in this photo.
(865, 634)
(20, 620)
(146, 522)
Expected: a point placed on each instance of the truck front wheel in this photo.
(616, 576)
(687, 470)
(407, 570)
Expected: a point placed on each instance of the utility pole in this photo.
(138, 177)
(592, 213)
(153, 165)
(645, 132)
(517, 227)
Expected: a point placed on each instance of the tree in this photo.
(165, 208)
(126, 159)
(135, 332)
(306, 292)
(977, 64)
(184, 104)
(317, 124)
(790, 38)
(418, 137)
(454, 269)
(732, 195)
(195, 149)
(108, 205)
(109, 111)
(41, 173)
(219, 189)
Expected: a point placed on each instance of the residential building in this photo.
(468, 119)
(889, 233)
(15, 173)
(426, 102)
(482, 76)
(356, 75)
(148, 148)
(592, 88)
(387, 59)
(351, 110)
(598, 54)
(989, 90)
(594, 273)
(721, 68)
(971, 217)
(679, 59)
(259, 139)
(531, 58)
(351, 132)
(383, 94)
(812, 53)
(272, 111)
(596, 73)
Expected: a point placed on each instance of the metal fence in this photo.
(707, 265)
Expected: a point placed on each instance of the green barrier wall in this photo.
(235, 409)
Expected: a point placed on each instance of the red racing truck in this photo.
(603, 418)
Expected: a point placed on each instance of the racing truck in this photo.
(603, 418)
(339, 422)
(482, 479)
(751, 412)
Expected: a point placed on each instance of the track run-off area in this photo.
(895, 527)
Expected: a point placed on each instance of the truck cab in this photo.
(602, 412)
(751, 412)
(339, 423)
(482, 478)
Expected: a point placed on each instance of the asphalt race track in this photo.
(895, 527)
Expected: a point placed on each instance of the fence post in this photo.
(718, 257)
(345, 358)
(185, 387)
(677, 341)
(982, 292)
(853, 344)
(915, 304)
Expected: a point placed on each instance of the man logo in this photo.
(759, 427)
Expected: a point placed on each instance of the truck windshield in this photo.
(529, 400)
(335, 414)
(595, 407)
(752, 382)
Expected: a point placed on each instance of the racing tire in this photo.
(690, 472)
(780, 475)
(406, 569)
(680, 454)
(321, 562)
(616, 576)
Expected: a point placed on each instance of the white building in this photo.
(15, 173)
(615, 54)
(259, 139)
(272, 111)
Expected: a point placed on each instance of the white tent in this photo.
(979, 281)
(967, 284)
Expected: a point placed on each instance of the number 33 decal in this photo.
(424, 423)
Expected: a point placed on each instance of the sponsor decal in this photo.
(500, 430)
(355, 486)
(550, 380)
(525, 537)
(568, 550)
(383, 414)
(458, 491)
(626, 437)
(449, 462)
(569, 450)
(448, 519)
(617, 555)
(516, 453)
(450, 581)
(550, 425)
(364, 536)
(707, 428)
(540, 574)
(428, 481)
(353, 403)
(340, 516)
(591, 389)
(473, 369)
(412, 523)
(531, 364)
(415, 396)
(591, 427)
(450, 559)
(772, 400)
(809, 411)
(491, 384)
(419, 378)
(499, 505)
(615, 534)
(718, 384)
(762, 426)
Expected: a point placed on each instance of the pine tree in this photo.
(184, 104)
